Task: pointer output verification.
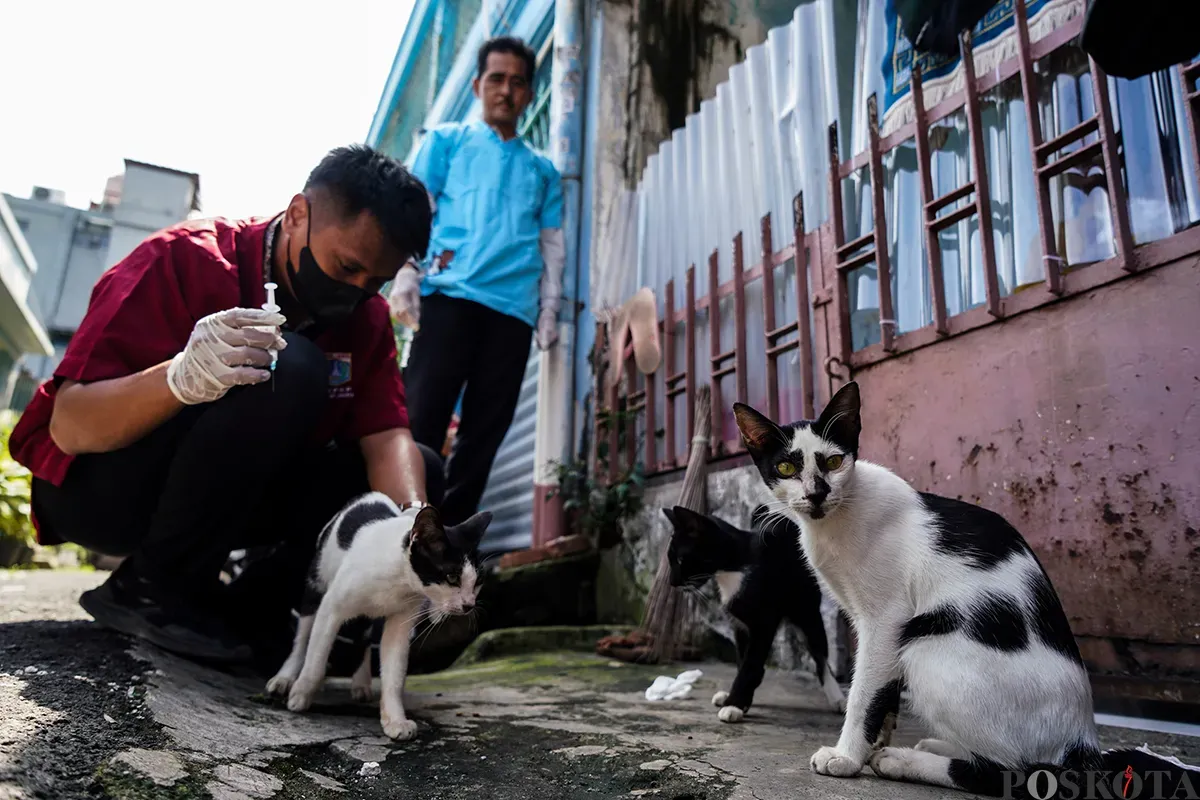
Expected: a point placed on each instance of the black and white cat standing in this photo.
(946, 598)
(375, 561)
(763, 579)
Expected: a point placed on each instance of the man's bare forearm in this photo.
(108, 415)
(395, 466)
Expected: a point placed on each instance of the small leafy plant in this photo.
(15, 525)
(594, 507)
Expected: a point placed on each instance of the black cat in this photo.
(764, 579)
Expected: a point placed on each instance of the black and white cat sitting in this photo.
(763, 579)
(374, 561)
(947, 599)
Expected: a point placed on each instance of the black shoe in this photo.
(128, 604)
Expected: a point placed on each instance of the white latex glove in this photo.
(226, 349)
(547, 328)
(405, 297)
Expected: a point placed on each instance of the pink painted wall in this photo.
(1080, 423)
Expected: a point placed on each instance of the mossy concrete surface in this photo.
(517, 641)
(531, 725)
(553, 725)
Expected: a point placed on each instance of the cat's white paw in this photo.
(301, 695)
(400, 729)
(280, 685)
(731, 714)
(361, 692)
(838, 706)
(829, 761)
(719, 699)
(938, 747)
(893, 763)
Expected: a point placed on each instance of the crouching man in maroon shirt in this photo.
(165, 437)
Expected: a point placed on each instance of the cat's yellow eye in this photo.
(786, 469)
(833, 462)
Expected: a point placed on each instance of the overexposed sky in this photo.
(250, 94)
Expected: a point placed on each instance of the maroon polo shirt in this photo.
(142, 311)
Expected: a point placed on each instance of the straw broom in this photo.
(669, 610)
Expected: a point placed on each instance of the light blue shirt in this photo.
(493, 200)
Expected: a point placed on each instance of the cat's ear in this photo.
(669, 513)
(427, 530)
(841, 421)
(686, 521)
(757, 431)
(466, 536)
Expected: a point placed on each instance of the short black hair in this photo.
(508, 44)
(360, 178)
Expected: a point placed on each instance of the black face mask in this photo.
(329, 301)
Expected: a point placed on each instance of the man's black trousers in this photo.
(464, 344)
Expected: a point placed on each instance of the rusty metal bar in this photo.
(1117, 204)
(983, 198)
(739, 314)
(631, 408)
(883, 266)
(858, 261)
(850, 247)
(1187, 76)
(721, 358)
(840, 288)
(601, 368)
(1051, 260)
(690, 366)
(721, 372)
(651, 422)
(614, 441)
(1080, 131)
(782, 330)
(669, 373)
(780, 349)
(803, 309)
(768, 280)
(1080, 156)
(934, 206)
(715, 355)
(954, 217)
(854, 164)
(933, 248)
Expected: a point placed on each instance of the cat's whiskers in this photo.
(778, 512)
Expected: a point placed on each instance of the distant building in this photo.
(21, 332)
(73, 247)
(146, 199)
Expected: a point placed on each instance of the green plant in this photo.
(14, 489)
(594, 507)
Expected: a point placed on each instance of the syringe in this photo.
(273, 308)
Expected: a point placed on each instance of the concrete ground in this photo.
(83, 716)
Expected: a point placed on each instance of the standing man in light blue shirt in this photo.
(494, 281)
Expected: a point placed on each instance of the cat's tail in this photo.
(1143, 773)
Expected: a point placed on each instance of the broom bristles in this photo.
(670, 611)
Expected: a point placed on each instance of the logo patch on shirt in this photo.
(339, 375)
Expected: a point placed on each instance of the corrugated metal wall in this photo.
(509, 493)
(748, 151)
